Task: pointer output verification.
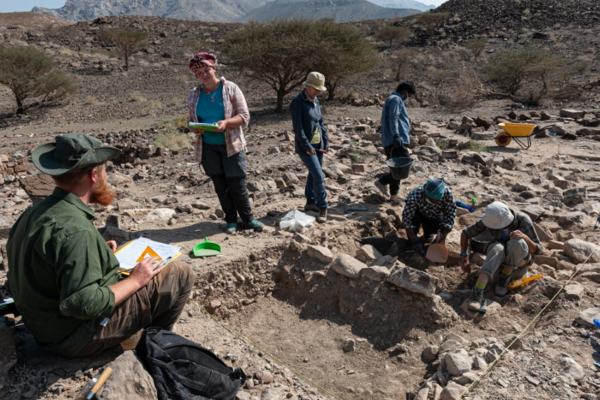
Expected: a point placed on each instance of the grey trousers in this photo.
(514, 255)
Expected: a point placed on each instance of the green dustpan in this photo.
(207, 249)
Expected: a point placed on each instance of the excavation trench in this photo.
(357, 338)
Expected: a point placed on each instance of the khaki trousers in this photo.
(159, 303)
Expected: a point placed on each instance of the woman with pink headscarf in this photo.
(222, 153)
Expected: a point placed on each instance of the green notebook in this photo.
(205, 127)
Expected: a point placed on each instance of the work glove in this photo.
(397, 142)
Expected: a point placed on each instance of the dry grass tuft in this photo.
(173, 139)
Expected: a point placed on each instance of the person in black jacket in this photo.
(311, 142)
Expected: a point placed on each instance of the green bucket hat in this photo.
(70, 152)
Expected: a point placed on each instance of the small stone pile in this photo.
(11, 167)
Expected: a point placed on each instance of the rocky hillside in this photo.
(532, 14)
(412, 4)
(339, 10)
(205, 10)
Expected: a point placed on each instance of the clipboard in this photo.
(136, 250)
(206, 127)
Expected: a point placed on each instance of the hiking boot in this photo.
(322, 216)
(382, 188)
(231, 228)
(502, 286)
(396, 200)
(476, 301)
(311, 207)
(255, 224)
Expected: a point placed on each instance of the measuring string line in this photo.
(472, 385)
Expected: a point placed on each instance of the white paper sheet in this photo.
(129, 255)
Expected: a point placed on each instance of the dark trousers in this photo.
(229, 177)
(159, 303)
(430, 226)
(233, 197)
(388, 179)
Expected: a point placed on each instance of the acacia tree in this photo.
(29, 72)
(344, 51)
(278, 53)
(528, 75)
(392, 34)
(128, 42)
(282, 52)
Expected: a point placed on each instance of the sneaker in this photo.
(231, 228)
(255, 224)
(476, 301)
(322, 216)
(382, 188)
(396, 200)
(311, 207)
(502, 286)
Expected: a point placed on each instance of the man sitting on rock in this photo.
(395, 135)
(63, 275)
(432, 207)
(512, 246)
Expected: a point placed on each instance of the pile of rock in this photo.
(11, 167)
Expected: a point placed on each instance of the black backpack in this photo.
(184, 370)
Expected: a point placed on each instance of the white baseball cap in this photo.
(497, 216)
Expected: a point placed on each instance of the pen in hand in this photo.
(162, 263)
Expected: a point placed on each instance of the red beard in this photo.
(102, 194)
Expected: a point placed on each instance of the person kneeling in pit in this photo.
(431, 206)
(513, 245)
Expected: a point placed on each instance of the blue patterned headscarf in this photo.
(434, 188)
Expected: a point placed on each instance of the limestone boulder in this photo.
(321, 253)
(129, 380)
(458, 363)
(348, 266)
(414, 281)
(375, 273)
(580, 250)
(587, 316)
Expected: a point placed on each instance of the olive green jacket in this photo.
(60, 270)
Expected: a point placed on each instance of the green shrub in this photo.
(477, 146)
(528, 75)
(477, 46)
(432, 20)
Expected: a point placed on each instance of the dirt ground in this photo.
(303, 331)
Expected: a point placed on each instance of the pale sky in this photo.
(27, 5)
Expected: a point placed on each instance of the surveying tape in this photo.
(476, 381)
(239, 335)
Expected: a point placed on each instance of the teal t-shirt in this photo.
(210, 110)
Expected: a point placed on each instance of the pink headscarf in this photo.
(201, 59)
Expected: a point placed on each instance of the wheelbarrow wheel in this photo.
(502, 139)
